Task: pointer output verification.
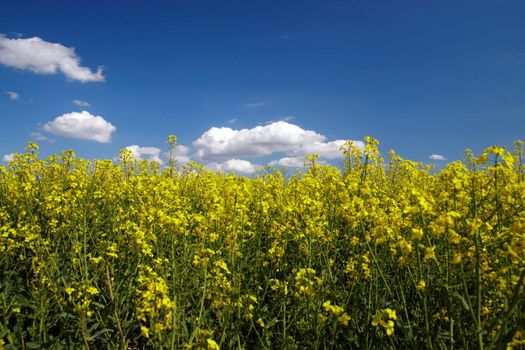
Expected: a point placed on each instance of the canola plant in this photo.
(379, 254)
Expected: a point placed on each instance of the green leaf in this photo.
(99, 333)
(463, 301)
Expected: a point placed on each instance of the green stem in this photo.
(424, 296)
(201, 308)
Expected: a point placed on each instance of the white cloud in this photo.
(277, 137)
(8, 157)
(42, 57)
(289, 162)
(255, 104)
(437, 157)
(147, 153)
(38, 136)
(239, 165)
(224, 148)
(81, 125)
(259, 141)
(330, 150)
(232, 120)
(13, 96)
(182, 154)
(234, 165)
(81, 103)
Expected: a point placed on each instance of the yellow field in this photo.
(382, 254)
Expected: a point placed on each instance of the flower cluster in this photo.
(382, 252)
(385, 318)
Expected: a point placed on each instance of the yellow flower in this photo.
(421, 285)
(376, 319)
(456, 259)
(454, 237)
(405, 246)
(212, 344)
(144, 331)
(430, 253)
(391, 313)
(389, 327)
(344, 318)
(95, 260)
(417, 234)
(92, 290)
(385, 318)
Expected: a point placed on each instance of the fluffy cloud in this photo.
(147, 153)
(330, 150)
(42, 57)
(81, 103)
(8, 157)
(259, 141)
(280, 136)
(224, 148)
(81, 125)
(234, 165)
(289, 162)
(239, 165)
(437, 157)
(181, 154)
(13, 96)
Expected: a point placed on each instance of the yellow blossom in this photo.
(212, 344)
(421, 285)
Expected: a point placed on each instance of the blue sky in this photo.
(244, 83)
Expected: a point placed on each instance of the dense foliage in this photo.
(381, 254)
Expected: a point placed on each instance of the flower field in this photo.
(382, 253)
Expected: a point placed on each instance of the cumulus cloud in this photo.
(181, 154)
(259, 141)
(234, 165)
(13, 96)
(437, 157)
(147, 153)
(81, 125)
(42, 57)
(225, 148)
(330, 150)
(239, 165)
(8, 157)
(81, 103)
(280, 136)
(289, 162)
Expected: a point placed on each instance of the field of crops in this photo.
(382, 253)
